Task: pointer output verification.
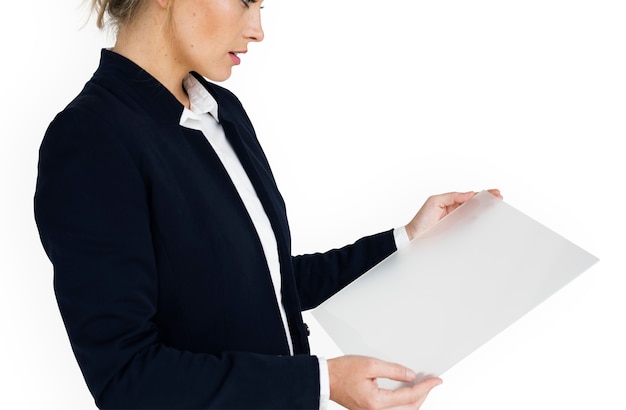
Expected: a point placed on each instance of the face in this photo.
(210, 36)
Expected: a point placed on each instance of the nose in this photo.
(254, 30)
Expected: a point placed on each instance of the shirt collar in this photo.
(200, 100)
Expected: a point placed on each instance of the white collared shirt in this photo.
(201, 104)
(203, 116)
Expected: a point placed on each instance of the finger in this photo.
(417, 394)
(409, 396)
(393, 371)
(463, 197)
(495, 192)
(456, 199)
(423, 388)
(449, 198)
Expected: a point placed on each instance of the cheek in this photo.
(188, 27)
(195, 41)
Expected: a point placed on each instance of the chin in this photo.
(217, 77)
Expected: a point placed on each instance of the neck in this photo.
(148, 46)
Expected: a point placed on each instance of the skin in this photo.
(353, 384)
(353, 378)
(170, 38)
(438, 206)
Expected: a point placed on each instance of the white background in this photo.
(365, 109)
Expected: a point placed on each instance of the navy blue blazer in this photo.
(159, 274)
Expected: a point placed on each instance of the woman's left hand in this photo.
(438, 206)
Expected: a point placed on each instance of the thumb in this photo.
(393, 371)
(463, 197)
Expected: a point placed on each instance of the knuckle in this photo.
(370, 366)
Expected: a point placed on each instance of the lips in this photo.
(234, 55)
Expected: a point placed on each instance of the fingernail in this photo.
(410, 374)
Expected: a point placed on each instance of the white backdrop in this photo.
(365, 109)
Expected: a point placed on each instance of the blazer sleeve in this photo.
(321, 275)
(91, 208)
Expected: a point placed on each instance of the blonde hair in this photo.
(117, 12)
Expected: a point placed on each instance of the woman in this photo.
(169, 238)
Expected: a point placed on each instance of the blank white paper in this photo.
(459, 283)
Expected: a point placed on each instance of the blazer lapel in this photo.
(253, 159)
(255, 164)
(240, 133)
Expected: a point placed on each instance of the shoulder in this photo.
(85, 125)
(109, 111)
(93, 110)
(96, 134)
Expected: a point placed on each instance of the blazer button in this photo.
(308, 331)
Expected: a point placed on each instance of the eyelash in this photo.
(247, 2)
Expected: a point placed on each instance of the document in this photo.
(453, 288)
